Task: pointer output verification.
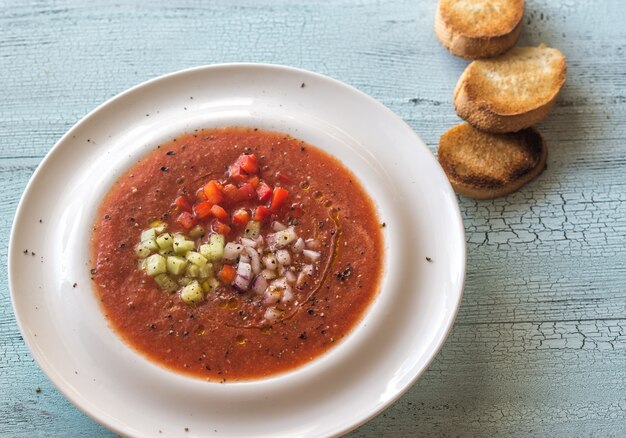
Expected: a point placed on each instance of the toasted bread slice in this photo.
(510, 92)
(479, 28)
(485, 166)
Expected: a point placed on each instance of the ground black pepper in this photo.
(342, 276)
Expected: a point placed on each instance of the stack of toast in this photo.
(500, 95)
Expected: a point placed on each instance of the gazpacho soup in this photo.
(234, 253)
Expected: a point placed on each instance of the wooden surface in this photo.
(539, 346)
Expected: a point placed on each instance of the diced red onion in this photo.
(312, 256)
(232, 251)
(313, 244)
(268, 274)
(270, 240)
(301, 279)
(248, 242)
(308, 270)
(259, 240)
(272, 314)
(277, 226)
(238, 286)
(244, 270)
(242, 280)
(270, 262)
(290, 276)
(255, 259)
(259, 285)
(280, 283)
(287, 295)
(283, 257)
(272, 295)
(244, 258)
(298, 247)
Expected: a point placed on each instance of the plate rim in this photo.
(11, 249)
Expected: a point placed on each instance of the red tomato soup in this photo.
(234, 253)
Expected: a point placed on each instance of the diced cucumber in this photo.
(210, 284)
(176, 265)
(142, 251)
(205, 250)
(167, 252)
(182, 245)
(166, 283)
(192, 293)
(192, 271)
(196, 258)
(184, 281)
(214, 250)
(197, 231)
(141, 264)
(165, 241)
(151, 244)
(149, 234)
(206, 271)
(155, 265)
(253, 229)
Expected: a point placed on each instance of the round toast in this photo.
(476, 29)
(511, 92)
(482, 165)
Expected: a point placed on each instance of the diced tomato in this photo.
(244, 192)
(241, 217)
(283, 177)
(219, 213)
(213, 192)
(279, 197)
(244, 166)
(227, 274)
(235, 173)
(248, 163)
(186, 220)
(254, 181)
(182, 203)
(231, 192)
(220, 227)
(261, 213)
(202, 209)
(264, 192)
(200, 194)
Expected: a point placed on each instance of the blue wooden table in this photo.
(539, 346)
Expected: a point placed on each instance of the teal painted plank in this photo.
(539, 347)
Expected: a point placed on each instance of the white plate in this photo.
(397, 339)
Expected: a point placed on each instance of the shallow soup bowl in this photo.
(382, 357)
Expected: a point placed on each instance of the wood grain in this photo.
(539, 347)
